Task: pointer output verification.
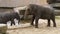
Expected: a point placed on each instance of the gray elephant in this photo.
(40, 12)
(5, 17)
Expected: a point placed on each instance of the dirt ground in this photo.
(43, 29)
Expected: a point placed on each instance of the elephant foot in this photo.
(32, 24)
(48, 25)
(54, 25)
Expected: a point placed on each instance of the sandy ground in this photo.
(28, 29)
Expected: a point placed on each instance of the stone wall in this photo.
(6, 9)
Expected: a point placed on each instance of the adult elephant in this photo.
(40, 12)
(5, 17)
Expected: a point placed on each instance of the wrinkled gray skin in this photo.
(5, 17)
(40, 12)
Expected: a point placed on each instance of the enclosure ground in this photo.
(43, 29)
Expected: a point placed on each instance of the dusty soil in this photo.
(43, 29)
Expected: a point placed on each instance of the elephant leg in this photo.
(48, 23)
(12, 22)
(54, 23)
(36, 22)
(32, 20)
(18, 21)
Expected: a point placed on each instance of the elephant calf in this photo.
(5, 17)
